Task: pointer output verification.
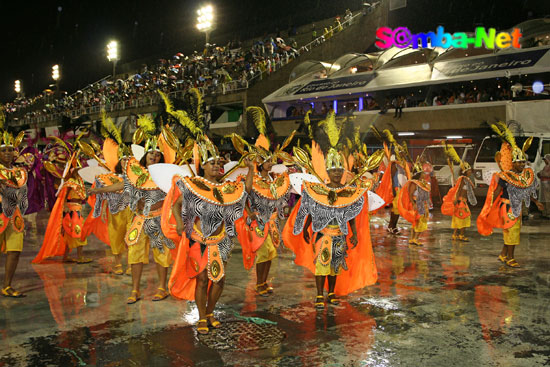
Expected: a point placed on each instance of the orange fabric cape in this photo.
(448, 207)
(361, 265)
(54, 244)
(96, 225)
(250, 243)
(405, 206)
(492, 215)
(385, 189)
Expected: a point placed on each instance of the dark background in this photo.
(74, 34)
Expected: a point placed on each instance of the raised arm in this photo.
(250, 175)
(111, 188)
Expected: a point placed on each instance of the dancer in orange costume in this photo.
(414, 203)
(395, 175)
(337, 214)
(510, 188)
(13, 204)
(204, 211)
(110, 215)
(455, 203)
(259, 229)
(144, 232)
(199, 214)
(64, 230)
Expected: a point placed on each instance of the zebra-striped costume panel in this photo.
(339, 253)
(322, 215)
(12, 198)
(265, 207)
(134, 195)
(422, 198)
(152, 228)
(116, 201)
(211, 215)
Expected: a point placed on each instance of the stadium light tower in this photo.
(205, 20)
(56, 76)
(112, 54)
(17, 87)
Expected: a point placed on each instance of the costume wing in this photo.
(375, 201)
(162, 174)
(296, 180)
(238, 172)
(88, 173)
(138, 151)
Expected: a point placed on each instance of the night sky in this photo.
(74, 33)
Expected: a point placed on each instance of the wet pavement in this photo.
(445, 303)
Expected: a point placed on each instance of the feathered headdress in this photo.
(262, 147)
(7, 138)
(453, 155)
(333, 159)
(512, 153)
(205, 150)
(147, 131)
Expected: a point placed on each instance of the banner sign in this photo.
(346, 82)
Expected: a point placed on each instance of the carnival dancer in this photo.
(414, 203)
(145, 201)
(110, 208)
(64, 229)
(204, 209)
(455, 203)
(200, 213)
(328, 230)
(13, 204)
(267, 200)
(395, 175)
(513, 186)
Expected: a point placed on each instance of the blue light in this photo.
(335, 106)
(538, 86)
(360, 103)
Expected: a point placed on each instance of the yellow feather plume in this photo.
(451, 152)
(109, 128)
(196, 102)
(258, 117)
(181, 116)
(146, 123)
(504, 133)
(331, 128)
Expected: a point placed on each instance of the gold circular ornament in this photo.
(215, 268)
(133, 234)
(325, 255)
(77, 229)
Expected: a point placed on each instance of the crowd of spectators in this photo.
(215, 70)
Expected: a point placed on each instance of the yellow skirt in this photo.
(422, 224)
(322, 270)
(511, 235)
(138, 253)
(267, 251)
(11, 240)
(116, 225)
(74, 242)
(394, 207)
(458, 223)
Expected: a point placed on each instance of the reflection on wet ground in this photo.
(446, 303)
